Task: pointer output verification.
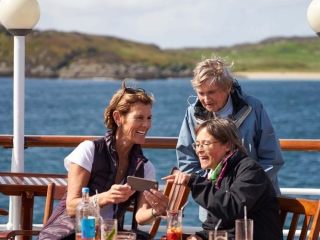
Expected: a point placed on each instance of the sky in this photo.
(179, 23)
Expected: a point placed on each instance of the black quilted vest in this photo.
(103, 173)
(105, 165)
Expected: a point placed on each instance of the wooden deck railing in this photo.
(6, 141)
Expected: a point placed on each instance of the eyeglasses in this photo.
(131, 91)
(203, 145)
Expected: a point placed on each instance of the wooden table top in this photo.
(29, 180)
(15, 183)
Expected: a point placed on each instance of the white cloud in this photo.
(179, 23)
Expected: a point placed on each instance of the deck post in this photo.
(17, 163)
(19, 17)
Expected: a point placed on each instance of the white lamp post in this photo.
(313, 15)
(18, 17)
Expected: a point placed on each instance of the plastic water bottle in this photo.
(85, 218)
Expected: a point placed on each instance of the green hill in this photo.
(75, 55)
(295, 54)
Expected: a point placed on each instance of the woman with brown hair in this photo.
(103, 165)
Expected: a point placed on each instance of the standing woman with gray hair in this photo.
(234, 181)
(220, 95)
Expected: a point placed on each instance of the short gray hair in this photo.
(216, 70)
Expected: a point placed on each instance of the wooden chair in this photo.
(178, 196)
(296, 207)
(54, 192)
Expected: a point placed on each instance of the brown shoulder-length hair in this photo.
(224, 130)
(123, 100)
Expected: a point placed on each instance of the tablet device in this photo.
(141, 184)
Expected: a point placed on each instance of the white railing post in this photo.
(17, 163)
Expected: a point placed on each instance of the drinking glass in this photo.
(122, 235)
(97, 227)
(174, 225)
(109, 229)
(244, 229)
(218, 235)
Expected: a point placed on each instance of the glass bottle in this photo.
(85, 218)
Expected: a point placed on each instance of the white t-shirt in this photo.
(83, 156)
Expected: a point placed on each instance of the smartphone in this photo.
(141, 184)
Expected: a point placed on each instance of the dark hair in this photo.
(224, 130)
(122, 101)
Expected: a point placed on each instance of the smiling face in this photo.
(212, 97)
(134, 126)
(210, 157)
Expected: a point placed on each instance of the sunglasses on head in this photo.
(131, 91)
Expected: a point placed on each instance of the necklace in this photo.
(123, 169)
(123, 165)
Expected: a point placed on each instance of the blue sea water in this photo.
(76, 107)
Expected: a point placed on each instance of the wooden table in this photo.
(28, 185)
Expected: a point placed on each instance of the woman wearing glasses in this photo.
(233, 182)
(104, 164)
(220, 95)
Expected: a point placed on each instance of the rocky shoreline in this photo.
(82, 70)
(119, 71)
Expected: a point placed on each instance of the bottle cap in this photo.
(85, 190)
